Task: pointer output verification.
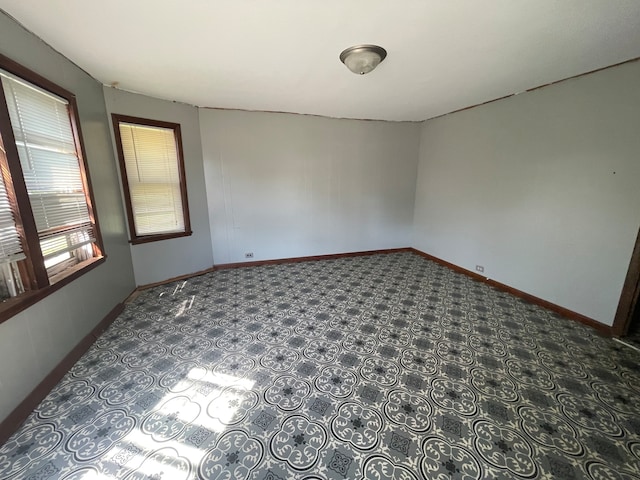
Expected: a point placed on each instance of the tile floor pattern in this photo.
(633, 339)
(375, 367)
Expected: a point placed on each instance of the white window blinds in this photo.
(10, 245)
(151, 161)
(47, 150)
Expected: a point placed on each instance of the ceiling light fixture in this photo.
(361, 59)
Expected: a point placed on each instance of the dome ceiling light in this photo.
(361, 59)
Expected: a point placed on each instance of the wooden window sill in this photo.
(157, 238)
(15, 305)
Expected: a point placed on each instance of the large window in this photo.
(153, 179)
(48, 230)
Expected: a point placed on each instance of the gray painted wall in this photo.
(34, 341)
(282, 185)
(524, 186)
(158, 261)
(542, 188)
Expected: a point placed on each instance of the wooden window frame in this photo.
(135, 239)
(36, 280)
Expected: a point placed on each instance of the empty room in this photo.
(319, 240)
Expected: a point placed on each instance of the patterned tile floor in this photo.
(633, 339)
(376, 367)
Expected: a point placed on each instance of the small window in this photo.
(153, 180)
(48, 230)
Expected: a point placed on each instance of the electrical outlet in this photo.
(248, 255)
(480, 268)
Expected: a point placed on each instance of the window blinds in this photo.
(10, 245)
(50, 164)
(151, 161)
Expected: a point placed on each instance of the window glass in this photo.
(48, 229)
(153, 177)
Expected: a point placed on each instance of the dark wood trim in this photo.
(441, 115)
(564, 312)
(312, 258)
(51, 232)
(145, 122)
(282, 112)
(259, 263)
(21, 203)
(630, 292)
(473, 106)
(15, 305)
(175, 279)
(157, 238)
(75, 271)
(84, 175)
(36, 279)
(23, 72)
(116, 119)
(15, 419)
(631, 60)
(27, 272)
(183, 180)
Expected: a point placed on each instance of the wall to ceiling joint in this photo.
(35, 340)
(284, 185)
(542, 189)
(524, 186)
(539, 188)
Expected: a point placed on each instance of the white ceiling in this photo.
(282, 55)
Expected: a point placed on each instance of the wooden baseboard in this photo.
(312, 258)
(17, 417)
(565, 312)
(22, 411)
(175, 279)
(258, 263)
